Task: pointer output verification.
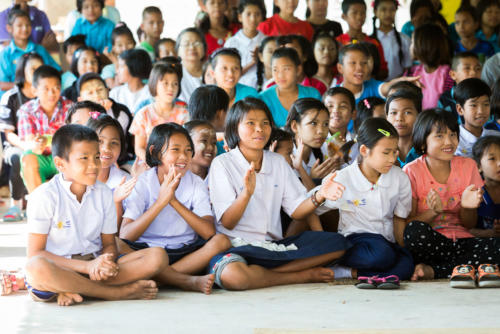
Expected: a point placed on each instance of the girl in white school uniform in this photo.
(373, 209)
(248, 187)
(169, 206)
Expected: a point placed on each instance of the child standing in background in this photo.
(466, 24)
(283, 21)
(122, 40)
(488, 14)
(316, 16)
(248, 39)
(152, 27)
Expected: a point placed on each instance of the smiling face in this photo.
(382, 156)
(441, 143)
(354, 67)
(205, 145)
(475, 112)
(227, 72)
(402, 115)
(109, 146)
(83, 163)
(254, 131)
(48, 92)
(467, 68)
(191, 47)
(490, 163)
(313, 128)
(341, 112)
(93, 90)
(178, 153)
(20, 28)
(167, 88)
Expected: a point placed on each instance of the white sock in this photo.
(341, 272)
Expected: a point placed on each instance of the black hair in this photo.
(310, 67)
(67, 134)
(159, 137)
(204, 24)
(20, 78)
(343, 91)
(260, 65)
(103, 121)
(369, 133)
(151, 10)
(350, 48)
(259, 3)
(482, 145)
(323, 34)
(416, 99)
(289, 53)
(415, 5)
(365, 109)
(79, 4)
(204, 69)
(191, 125)
(301, 108)
(462, 55)
(76, 57)
(495, 100)
(121, 29)
(406, 85)
(138, 63)
(482, 6)
(197, 32)
(160, 42)
(426, 37)
(346, 4)
(279, 135)
(206, 101)
(72, 40)
(92, 106)
(88, 77)
(45, 72)
(470, 89)
(16, 12)
(376, 3)
(231, 52)
(159, 71)
(236, 114)
(469, 10)
(426, 121)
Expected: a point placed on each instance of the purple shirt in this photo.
(40, 24)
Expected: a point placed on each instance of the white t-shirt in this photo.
(123, 95)
(245, 46)
(277, 187)
(168, 229)
(312, 159)
(391, 53)
(370, 208)
(467, 141)
(188, 85)
(115, 177)
(72, 227)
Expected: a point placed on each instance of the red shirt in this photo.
(345, 39)
(276, 26)
(216, 43)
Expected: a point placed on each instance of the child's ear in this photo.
(9, 29)
(460, 109)
(293, 126)
(340, 68)
(364, 150)
(59, 163)
(354, 113)
(344, 17)
(79, 99)
(453, 75)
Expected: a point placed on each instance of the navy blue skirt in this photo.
(309, 244)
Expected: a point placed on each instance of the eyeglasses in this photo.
(196, 44)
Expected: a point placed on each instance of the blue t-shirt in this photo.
(98, 35)
(10, 55)
(483, 50)
(371, 88)
(487, 212)
(493, 39)
(243, 91)
(270, 97)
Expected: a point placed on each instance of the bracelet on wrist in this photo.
(314, 201)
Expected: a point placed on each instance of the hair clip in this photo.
(355, 139)
(367, 104)
(384, 132)
(94, 114)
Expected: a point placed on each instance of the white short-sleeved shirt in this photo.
(312, 159)
(115, 177)
(391, 53)
(467, 140)
(245, 46)
(188, 85)
(368, 208)
(277, 187)
(72, 227)
(123, 95)
(168, 229)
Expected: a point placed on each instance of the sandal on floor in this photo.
(488, 276)
(463, 277)
(13, 215)
(365, 282)
(388, 283)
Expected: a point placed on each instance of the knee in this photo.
(38, 268)
(234, 276)
(219, 243)
(156, 259)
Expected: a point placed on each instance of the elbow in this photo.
(125, 233)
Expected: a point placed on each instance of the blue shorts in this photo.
(174, 255)
(40, 296)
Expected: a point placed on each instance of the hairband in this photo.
(384, 132)
(94, 114)
(367, 104)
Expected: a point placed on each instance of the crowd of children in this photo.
(251, 152)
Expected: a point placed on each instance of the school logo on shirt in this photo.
(62, 225)
(357, 202)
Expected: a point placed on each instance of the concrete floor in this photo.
(426, 307)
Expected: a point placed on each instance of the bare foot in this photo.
(204, 283)
(422, 272)
(67, 299)
(5, 285)
(139, 290)
(319, 275)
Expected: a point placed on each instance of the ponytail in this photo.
(400, 51)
